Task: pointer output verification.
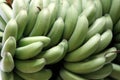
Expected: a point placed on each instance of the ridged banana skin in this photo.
(17, 6)
(2, 24)
(79, 33)
(105, 40)
(28, 51)
(9, 46)
(70, 21)
(28, 40)
(44, 74)
(10, 30)
(7, 62)
(5, 12)
(33, 11)
(96, 27)
(116, 29)
(56, 32)
(30, 66)
(101, 73)
(116, 71)
(85, 66)
(106, 5)
(21, 20)
(42, 23)
(115, 10)
(63, 7)
(6, 75)
(84, 51)
(66, 75)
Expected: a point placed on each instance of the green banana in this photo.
(84, 51)
(29, 51)
(5, 12)
(21, 20)
(17, 6)
(9, 46)
(1, 1)
(27, 3)
(30, 66)
(56, 32)
(28, 40)
(106, 5)
(10, 30)
(42, 23)
(114, 10)
(17, 77)
(79, 33)
(116, 71)
(2, 24)
(105, 40)
(44, 74)
(33, 11)
(101, 73)
(66, 75)
(96, 27)
(6, 75)
(7, 62)
(46, 3)
(87, 66)
(116, 29)
(63, 7)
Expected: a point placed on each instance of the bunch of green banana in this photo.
(59, 39)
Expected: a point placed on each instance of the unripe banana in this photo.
(116, 71)
(1, 1)
(114, 10)
(46, 3)
(79, 33)
(66, 75)
(42, 23)
(10, 30)
(56, 32)
(2, 24)
(85, 50)
(7, 63)
(70, 21)
(27, 3)
(117, 27)
(28, 51)
(6, 75)
(28, 40)
(88, 66)
(44, 74)
(30, 66)
(17, 6)
(105, 40)
(101, 73)
(21, 20)
(9, 46)
(96, 27)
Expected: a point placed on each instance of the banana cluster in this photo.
(59, 39)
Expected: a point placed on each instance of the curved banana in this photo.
(101, 73)
(106, 5)
(6, 75)
(66, 75)
(79, 33)
(42, 23)
(70, 21)
(56, 32)
(85, 66)
(116, 29)
(84, 51)
(28, 40)
(105, 40)
(17, 6)
(10, 30)
(44, 74)
(64, 5)
(7, 62)
(96, 27)
(21, 20)
(5, 12)
(2, 24)
(30, 66)
(116, 71)
(33, 11)
(9, 46)
(114, 10)
(29, 51)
